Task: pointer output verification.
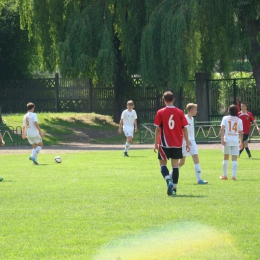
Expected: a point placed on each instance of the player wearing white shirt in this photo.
(129, 124)
(231, 133)
(192, 111)
(32, 131)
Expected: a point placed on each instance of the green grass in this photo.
(64, 127)
(100, 205)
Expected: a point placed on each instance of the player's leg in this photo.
(246, 146)
(245, 143)
(226, 152)
(37, 146)
(197, 169)
(37, 149)
(176, 155)
(182, 161)
(234, 152)
(163, 154)
(129, 138)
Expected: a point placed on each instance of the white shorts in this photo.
(34, 139)
(129, 131)
(193, 149)
(232, 150)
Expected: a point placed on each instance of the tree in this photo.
(98, 39)
(16, 53)
(188, 36)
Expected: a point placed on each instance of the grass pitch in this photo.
(100, 205)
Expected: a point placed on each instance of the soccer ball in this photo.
(57, 159)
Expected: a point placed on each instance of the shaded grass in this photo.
(96, 201)
(65, 127)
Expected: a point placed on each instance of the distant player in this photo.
(231, 129)
(192, 111)
(171, 125)
(32, 131)
(246, 118)
(129, 124)
(2, 143)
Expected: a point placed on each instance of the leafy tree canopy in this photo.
(17, 59)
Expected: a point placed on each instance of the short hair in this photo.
(168, 96)
(190, 106)
(244, 103)
(30, 105)
(130, 102)
(232, 110)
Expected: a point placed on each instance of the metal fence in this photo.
(79, 95)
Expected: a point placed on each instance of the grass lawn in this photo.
(69, 127)
(100, 205)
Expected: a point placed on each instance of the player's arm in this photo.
(24, 132)
(186, 137)
(156, 135)
(135, 123)
(2, 139)
(120, 126)
(256, 126)
(222, 131)
(39, 129)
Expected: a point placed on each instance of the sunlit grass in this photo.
(96, 205)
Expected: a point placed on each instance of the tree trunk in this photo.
(121, 84)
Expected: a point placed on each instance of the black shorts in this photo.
(169, 153)
(245, 137)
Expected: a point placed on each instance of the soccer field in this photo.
(100, 205)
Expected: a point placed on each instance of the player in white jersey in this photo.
(231, 133)
(3, 143)
(32, 131)
(192, 111)
(129, 124)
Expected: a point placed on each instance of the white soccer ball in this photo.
(57, 159)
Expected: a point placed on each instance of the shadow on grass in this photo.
(188, 196)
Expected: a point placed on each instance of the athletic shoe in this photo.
(234, 179)
(125, 154)
(33, 159)
(249, 156)
(169, 188)
(174, 192)
(1, 178)
(223, 177)
(202, 182)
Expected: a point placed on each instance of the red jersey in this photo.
(246, 118)
(171, 120)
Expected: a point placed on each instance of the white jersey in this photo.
(233, 125)
(28, 122)
(190, 128)
(128, 118)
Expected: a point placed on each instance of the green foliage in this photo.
(18, 58)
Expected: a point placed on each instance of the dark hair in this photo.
(168, 96)
(30, 105)
(232, 110)
(244, 103)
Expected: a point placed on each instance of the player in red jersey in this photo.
(170, 124)
(246, 118)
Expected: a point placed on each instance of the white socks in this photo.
(225, 167)
(197, 171)
(127, 147)
(234, 169)
(36, 151)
